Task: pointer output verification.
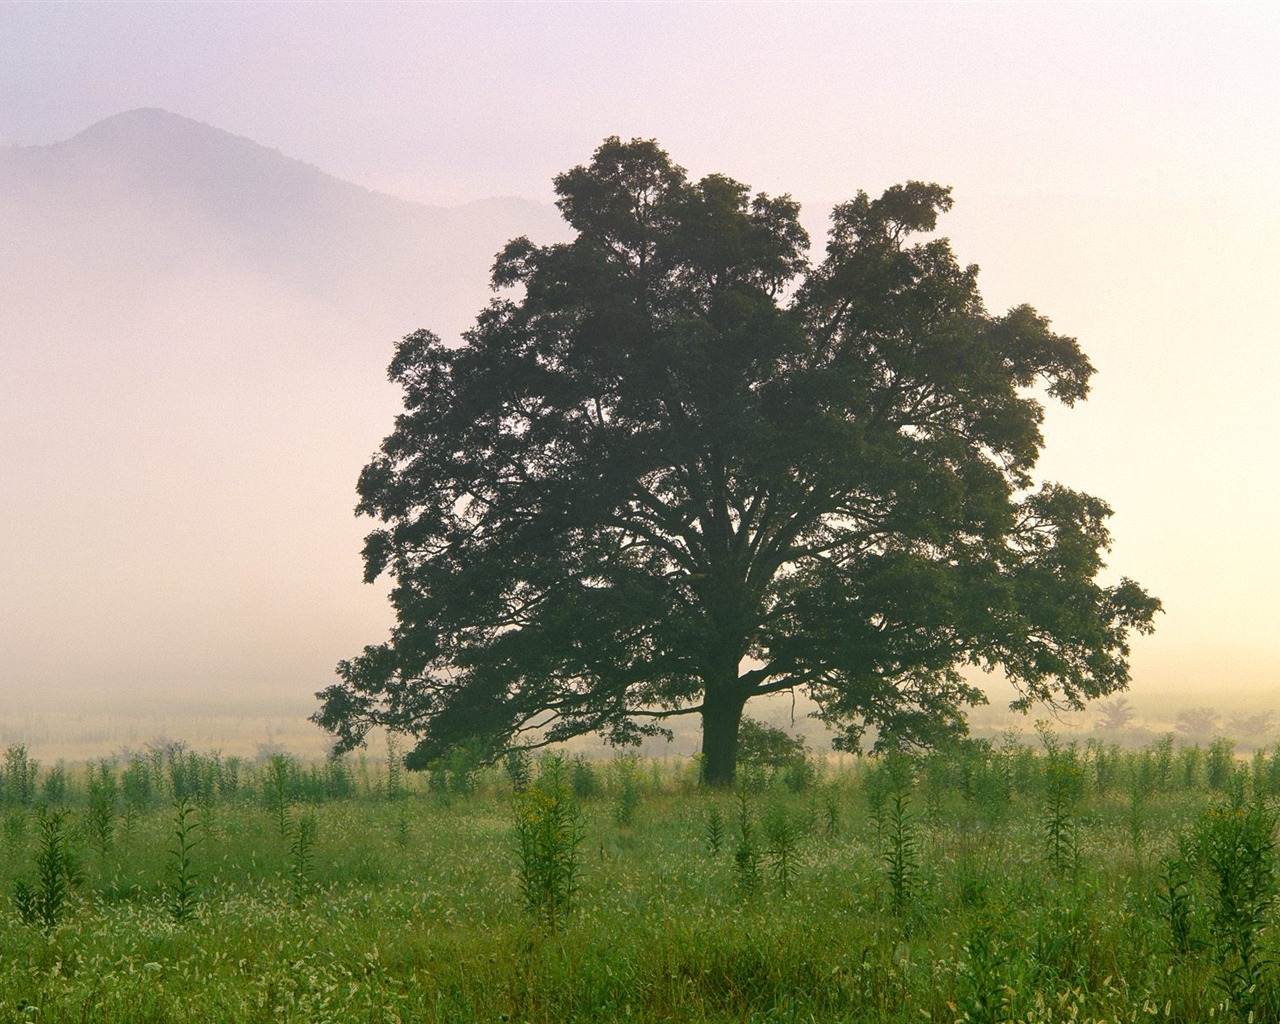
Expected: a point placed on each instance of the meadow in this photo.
(1016, 880)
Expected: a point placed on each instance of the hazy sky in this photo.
(1114, 165)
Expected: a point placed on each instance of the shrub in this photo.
(1220, 765)
(1236, 845)
(549, 833)
(19, 776)
(772, 750)
(104, 794)
(57, 874)
(585, 782)
(518, 765)
(626, 782)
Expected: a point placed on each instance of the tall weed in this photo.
(549, 834)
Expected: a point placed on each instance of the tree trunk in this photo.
(721, 717)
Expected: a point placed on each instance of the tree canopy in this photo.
(676, 465)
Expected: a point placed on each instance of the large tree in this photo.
(675, 466)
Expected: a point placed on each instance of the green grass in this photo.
(413, 908)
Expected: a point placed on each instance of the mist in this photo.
(196, 333)
(195, 328)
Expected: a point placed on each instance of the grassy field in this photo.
(995, 882)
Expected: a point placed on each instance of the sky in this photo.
(1113, 165)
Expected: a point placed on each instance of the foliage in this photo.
(58, 873)
(1063, 787)
(518, 765)
(675, 466)
(784, 831)
(1236, 844)
(747, 855)
(104, 793)
(625, 772)
(53, 788)
(768, 750)
(584, 780)
(302, 841)
(279, 789)
(549, 833)
(136, 790)
(395, 769)
(714, 830)
(901, 838)
(183, 891)
(768, 745)
(1220, 767)
(18, 779)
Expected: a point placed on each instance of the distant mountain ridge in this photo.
(167, 150)
(170, 153)
(194, 334)
(152, 180)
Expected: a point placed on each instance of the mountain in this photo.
(156, 192)
(194, 330)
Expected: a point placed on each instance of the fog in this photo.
(194, 325)
(194, 376)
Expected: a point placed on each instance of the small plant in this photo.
(1104, 763)
(585, 782)
(53, 790)
(278, 789)
(746, 852)
(402, 823)
(876, 784)
(783, 834)
(626, 778)
(714, 832)
(1063, 787)
(984, 993)
(19, 776)
(1272, 785)
(935, 780)
(1178, 900)
(1236, 844)
(15, 829)
(1162, 761)
(57, 874)
(799, 774)
(206, 806)
(773, 751)
(1220, 764)
(302, 855)
(1138, 792)
(1191, 766)
(830, 814)
(104, 794)
(462, 763)
(549, 833)
(136, 791)
(182, 876)
(900, 836)
(518, 765)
